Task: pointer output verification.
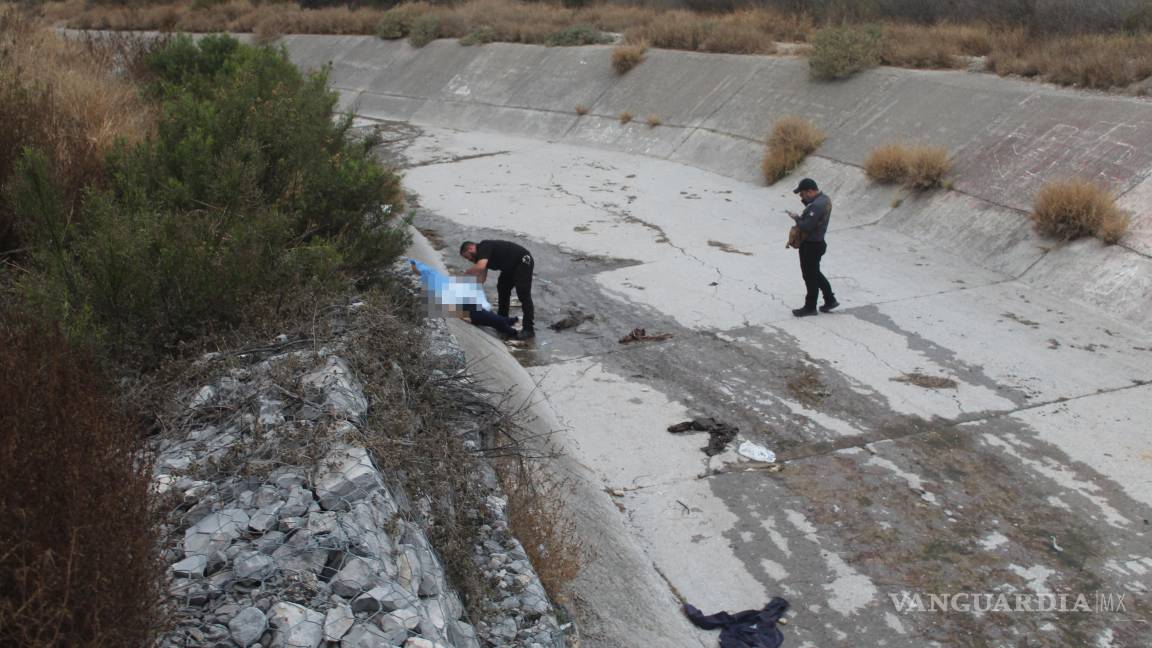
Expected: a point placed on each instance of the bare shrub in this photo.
(425, 29)
(917, 167)
(626, 57)
(653, 121)
(792, 140)
(79, 563)
(581, 109)
(626, 117)
(1070, 209)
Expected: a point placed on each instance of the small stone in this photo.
(461, 634)
(297, 626)
(351, 476)
(366, 636)
(420, 642)
(300, 499)
(338, 622)
(215, 532)
(253, 566)
(215, 633)
(357, 576)
(203, 397)
(286, 481)
(387, 598)
(190, 567)
(266, 518)
(270, 541)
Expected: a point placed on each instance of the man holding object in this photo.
(813, 225)
(515, 265)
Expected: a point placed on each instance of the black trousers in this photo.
(519, 278)
(814, 280)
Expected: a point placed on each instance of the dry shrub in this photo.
(626, 57)
(61, 97)
(654, 120)
(792, 140)
(917, 167)
(537, 518)
(1098, 61)
(927, 167)
(581, 109)
(840, 52)
(933, 46)
(682, 30)
(1070, 209)
(625, 117)
(79, 563)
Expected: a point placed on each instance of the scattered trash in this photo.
(575, 318)
(719, 434)
(747, 629)
(1055, 545)
(641, 335)
(926, 381)
(756, 452)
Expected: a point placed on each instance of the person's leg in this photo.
(822, 281)
(488, 318)
(503, 293)
(524, 294)
(810, 270)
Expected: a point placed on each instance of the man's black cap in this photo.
(805, 185)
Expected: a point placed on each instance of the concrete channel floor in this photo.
(1029, 473)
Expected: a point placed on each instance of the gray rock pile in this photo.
(284, 533)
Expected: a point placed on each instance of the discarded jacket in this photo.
(720, 434)
(747, 629)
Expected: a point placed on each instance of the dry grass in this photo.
(916, 167)
(626, 57)
(626, 117)
(79, 563)
(536, 514)
(653, 121)
(1070, 209)
(1093, 61)
(935, 46)
(1096, 61)
(792, 140)
(61, 97)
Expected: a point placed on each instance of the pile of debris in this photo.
(282, 531)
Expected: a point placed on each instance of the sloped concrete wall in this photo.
(1007, 137)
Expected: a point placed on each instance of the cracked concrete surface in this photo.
(1033, 474)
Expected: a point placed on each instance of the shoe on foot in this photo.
(828, 307)
(526, 334)
(803, 312)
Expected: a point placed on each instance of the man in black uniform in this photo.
(515, 265)
(813, 224)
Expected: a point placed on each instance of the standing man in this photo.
(515, 265)
(813, 224)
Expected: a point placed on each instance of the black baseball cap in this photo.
(805, 185)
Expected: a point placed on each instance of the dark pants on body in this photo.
(519, 278)
(810, 253)
(480, 317)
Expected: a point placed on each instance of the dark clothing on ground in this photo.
(720, 434)
(813, 221)
(502, 255)
(481, 317)
(516, 266)
(747, 629)
(814, 280)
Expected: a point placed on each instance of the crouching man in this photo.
(516, 266)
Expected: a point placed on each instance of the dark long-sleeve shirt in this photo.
(814, 220)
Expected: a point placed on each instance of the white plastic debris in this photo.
(756, 452)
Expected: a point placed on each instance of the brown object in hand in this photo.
(795, 237)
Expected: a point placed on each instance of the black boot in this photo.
(829, 306)
(803, 312)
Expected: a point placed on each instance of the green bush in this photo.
(578, 35)
(840, 52)
(250, 192)
(425, 29)
(395, 24)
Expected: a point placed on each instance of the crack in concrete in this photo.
(454, 160)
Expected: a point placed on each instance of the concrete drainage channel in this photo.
(284, 532)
